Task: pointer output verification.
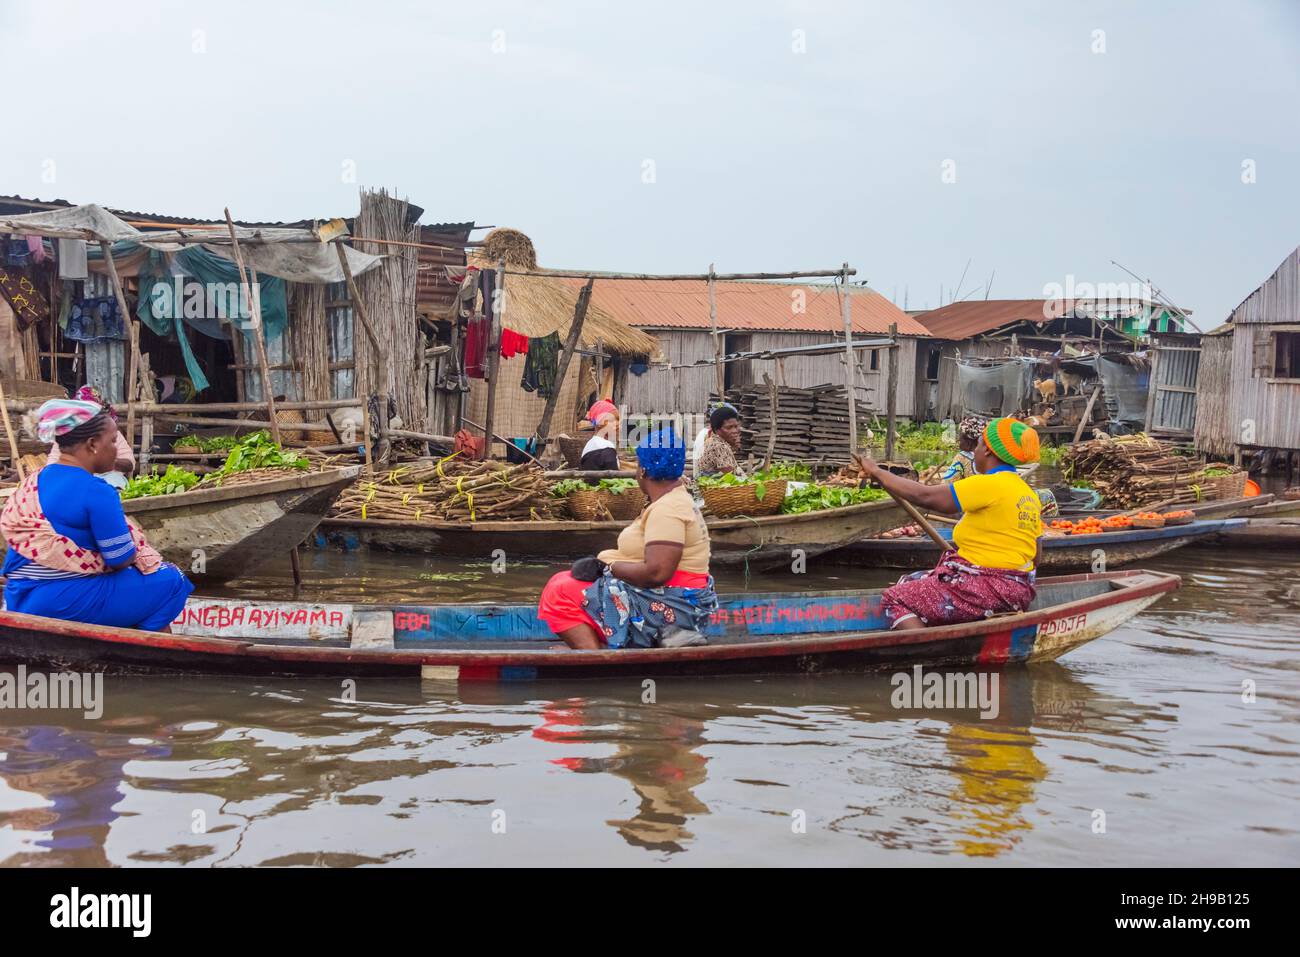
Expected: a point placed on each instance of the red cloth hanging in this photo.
(512, 343)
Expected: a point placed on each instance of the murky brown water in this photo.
(1146, 725)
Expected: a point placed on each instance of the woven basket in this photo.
(624, 506)
(571, 449)
(586, 505)
(1220, 486)
(1292, 494)
(1180, 520)
(1148, 523)
(742, 499)
(291, 416)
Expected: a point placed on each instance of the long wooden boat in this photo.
(764, 540)
(1270, 533)
(1060, 553)
(749, 634)
(214, 534)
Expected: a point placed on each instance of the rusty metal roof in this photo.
(961, 320)
(769, 306)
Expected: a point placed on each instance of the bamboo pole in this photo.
(684, 277)
(259, 344)
(717, 343)
(562, 367)
(850, 360)
(891, 402)
(494, 355)
(1087, 413)
(361, 312)
(9, 433)
(133, 324)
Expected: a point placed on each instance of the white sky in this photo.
(764, 158)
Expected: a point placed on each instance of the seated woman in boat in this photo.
(600, 454)
(962, 465)
(654, 588)
(997, 540)
(718, 455)
(72, 552)
(124, 463)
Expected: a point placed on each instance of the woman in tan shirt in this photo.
(653, 589)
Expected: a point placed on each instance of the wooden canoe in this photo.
(1060, 553)
(805, 633)
(1271, 533)
(769, 539)
(238, 527)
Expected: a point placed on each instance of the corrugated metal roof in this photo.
(961, 320)
(769, 306)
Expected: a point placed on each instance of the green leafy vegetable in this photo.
(175, 479)
(814, 498)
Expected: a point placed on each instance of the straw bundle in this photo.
(389, 293)
(1133, 471)
(512, 246)
(449, 491)
(311, 339)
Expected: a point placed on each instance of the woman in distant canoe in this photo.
(718, 455)
(72, 552)
(997, 540)
(654, 588)
(600, 454)
(969, 434)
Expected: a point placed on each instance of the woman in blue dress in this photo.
(71, 553)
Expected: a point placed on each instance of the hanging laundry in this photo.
(36, 246)
(72, 259)
(19, 290)
(476, 346)
(542, 364)
(512, 343)
(93, 319)
(17, 252)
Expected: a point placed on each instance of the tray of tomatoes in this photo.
(1183, 516)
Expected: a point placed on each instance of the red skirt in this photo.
(563, 603)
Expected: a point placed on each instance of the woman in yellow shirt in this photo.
(654, 588)
(996, 542)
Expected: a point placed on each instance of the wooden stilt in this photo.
(259, 342)
(562, 367)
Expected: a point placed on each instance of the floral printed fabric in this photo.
(630, 616)
(956, 591)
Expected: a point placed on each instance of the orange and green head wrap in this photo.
(1012, 441)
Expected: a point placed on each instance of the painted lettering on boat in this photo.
(239, 619)
(1062, 626)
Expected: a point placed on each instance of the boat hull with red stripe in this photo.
(750, 634)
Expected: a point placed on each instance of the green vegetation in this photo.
(257, 451)
(218, 443)
(175, 479)
(615, 486)
(814, 498)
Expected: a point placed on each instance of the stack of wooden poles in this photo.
(448, 490)
(1132, 471)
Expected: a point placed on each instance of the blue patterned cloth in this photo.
(635, 617)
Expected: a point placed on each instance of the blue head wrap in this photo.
(662, 454)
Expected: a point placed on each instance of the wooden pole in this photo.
(359, 310)
(494, 355)
(771, 420)
(1152, 388)
(850, 360)
(717, 342)
(678, 277)
(132, 387)
(891, 398)
(1087, 413)
(562, 367)
(9, 432)
(259, 344)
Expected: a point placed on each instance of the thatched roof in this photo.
(539, 305)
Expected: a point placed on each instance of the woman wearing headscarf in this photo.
(718, 456)
(124, 462)
(997, 545)
(600, 454)
(654, 588)
(968, 439)
(73, 554)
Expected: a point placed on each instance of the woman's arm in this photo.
(661, 560)
(936, 498)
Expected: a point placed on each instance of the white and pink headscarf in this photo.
(60, 416)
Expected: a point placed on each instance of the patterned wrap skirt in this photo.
(956, 591)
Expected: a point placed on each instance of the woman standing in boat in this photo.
(654, 588)
(72, 552)
(997, 540)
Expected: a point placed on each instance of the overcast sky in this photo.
(665, 136)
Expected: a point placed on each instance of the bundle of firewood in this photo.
(448, 491)
(1131, 471)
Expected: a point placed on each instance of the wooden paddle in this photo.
(920, 519)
